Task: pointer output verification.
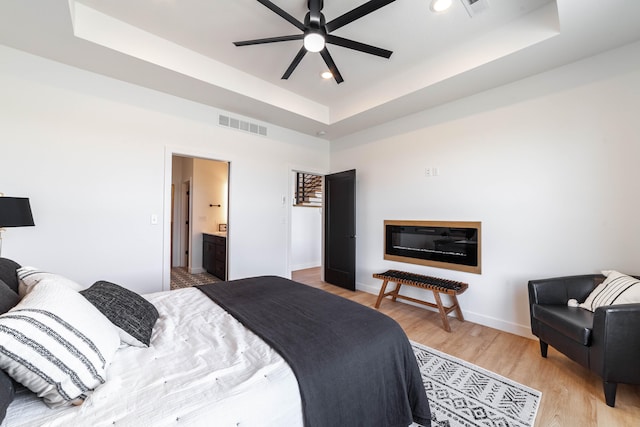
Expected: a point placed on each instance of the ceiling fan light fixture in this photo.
(317, 33)
(327, 75)
(440, 5)
(313, 41)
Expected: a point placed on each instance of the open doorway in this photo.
(306, 226)
(333, 241)
(198, 209)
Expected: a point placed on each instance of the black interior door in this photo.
(340, 229)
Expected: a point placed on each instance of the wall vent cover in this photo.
(234, 123)
(475, 7)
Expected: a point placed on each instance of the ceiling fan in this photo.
(315, 33)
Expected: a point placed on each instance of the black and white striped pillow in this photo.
(57, 344)
(617, 288)
(29, 277)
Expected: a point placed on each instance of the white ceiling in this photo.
(185, 48)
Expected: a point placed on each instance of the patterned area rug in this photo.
(465, 395)
(181, 278)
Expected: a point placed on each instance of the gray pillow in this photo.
(8, 298)
(133, 315)
(8, 274)
(7, 393)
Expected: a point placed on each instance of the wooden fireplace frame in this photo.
(477, 269)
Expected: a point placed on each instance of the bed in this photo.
(262, 351)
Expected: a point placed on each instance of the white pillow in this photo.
(57, 344)
(617, 288)
(28, 277)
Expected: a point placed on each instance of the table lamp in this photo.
(14, 212)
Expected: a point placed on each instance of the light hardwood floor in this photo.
(571, 395)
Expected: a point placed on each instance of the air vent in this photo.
(234, 123)
(475, 7)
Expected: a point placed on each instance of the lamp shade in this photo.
(15, 212)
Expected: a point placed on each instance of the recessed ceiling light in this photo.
(326, 75)
(440, 5)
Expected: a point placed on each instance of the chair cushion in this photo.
(573, 322)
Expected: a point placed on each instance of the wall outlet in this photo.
(429, 172)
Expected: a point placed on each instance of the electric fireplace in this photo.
(454, 245)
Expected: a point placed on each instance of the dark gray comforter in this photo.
(354, 365)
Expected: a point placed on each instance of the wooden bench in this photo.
(437, 285)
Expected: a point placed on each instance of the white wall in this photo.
(92, 155)
(548, 164)
(306, 237)
(306, 231)
(209, 188)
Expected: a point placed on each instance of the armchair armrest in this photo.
(616, 343)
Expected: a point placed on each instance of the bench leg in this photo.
(381, 294)
(396, 291)
(443, 313)
(454, 300)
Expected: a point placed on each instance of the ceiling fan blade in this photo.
(282, 14)
(270, 40)
(356, 13)
(294, 63)
(351, 44)
(332, 65)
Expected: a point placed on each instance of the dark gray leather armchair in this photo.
(606, 341)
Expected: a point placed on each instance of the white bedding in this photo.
(203, 368)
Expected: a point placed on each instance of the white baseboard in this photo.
(305, 266)
(513, 328)
(470, 316)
